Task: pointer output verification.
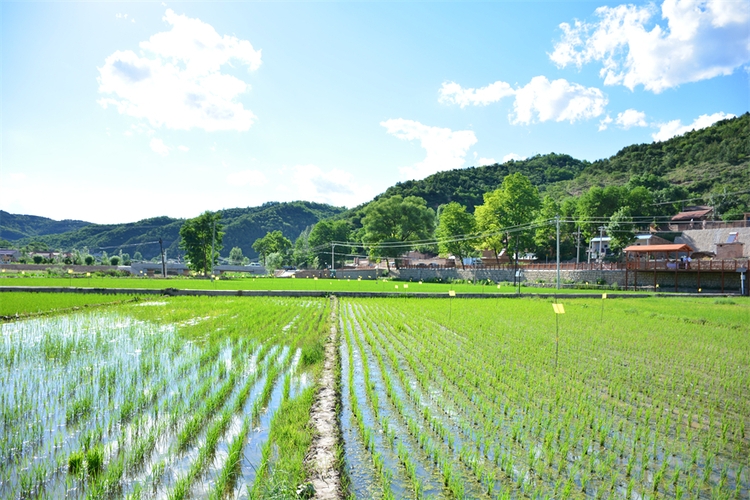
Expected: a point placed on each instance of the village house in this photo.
(9, 255)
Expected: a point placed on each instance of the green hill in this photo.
(707, 163)
(241, 225)
(14, 227)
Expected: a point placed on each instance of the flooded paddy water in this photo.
(150, 402)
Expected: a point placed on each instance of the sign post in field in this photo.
(559, 309)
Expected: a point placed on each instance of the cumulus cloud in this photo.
(158, 147)
(446, 149)
(486, 161)
(631, 118)
(177, 81)
(697, 40)
(247, 178)
(184, 149)
(512, 156)
(539, 100)
(453, 93)
(675, 127)
(559, 100)
(604, 123)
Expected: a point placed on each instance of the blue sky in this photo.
(114, 112)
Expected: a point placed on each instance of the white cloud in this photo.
(675, 127)
(177, 81)
(512, 156)
(604, 123)
(247, 178)
(184, 149)
(445, 148)
(18, 176)
(158, 147)
(453, 93)
(701, 39)
(336, 187)
(558, 100)
(631, 118)
(540, 99)
(486, 161)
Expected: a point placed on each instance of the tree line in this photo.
(513, 219)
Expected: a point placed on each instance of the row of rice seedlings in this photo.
(79, 408)
(366, 433)
(433, 438)
(601, 431)
(173, 409)
(666, 440)
(227, 479)
(136, 445)
(208, 450)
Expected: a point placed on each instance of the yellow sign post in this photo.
(451, 294)
(559, 309)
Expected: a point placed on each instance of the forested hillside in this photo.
(14, 227)
(705, 162)
(241, 225)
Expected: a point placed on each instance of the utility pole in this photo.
(163, 260)
(601, 237)
(578, 244)
(557, 251)
(515, 275)
(333, 262)
(213, 240)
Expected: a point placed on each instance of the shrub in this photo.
(114, 260)
(89, 260)
(38, 259)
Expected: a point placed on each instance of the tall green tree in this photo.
(620, 229)
(514, 204)
(272, 242)
(545, 234)
(325, 232)
(301, 256)
(389, 224)
(597, 205)
(454, 225)
(235, 256)
(197, 236)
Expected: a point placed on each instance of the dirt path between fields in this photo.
(321, 461)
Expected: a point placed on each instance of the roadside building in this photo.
(691, 218)
(9, 255)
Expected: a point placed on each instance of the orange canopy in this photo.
(658, 248)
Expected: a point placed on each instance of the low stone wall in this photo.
(686, 281)
(43, 268)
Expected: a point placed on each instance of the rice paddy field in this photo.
(202, 397)
(649, 399)
(196, 398)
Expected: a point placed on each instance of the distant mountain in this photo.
(242, 227)
(14, 227)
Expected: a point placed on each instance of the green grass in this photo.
(29, 303)
(269, 283)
